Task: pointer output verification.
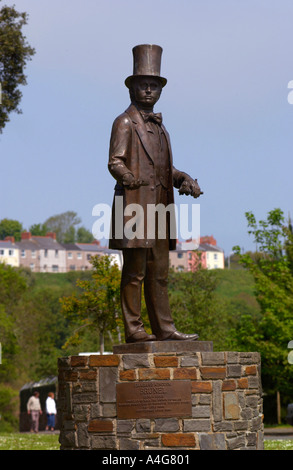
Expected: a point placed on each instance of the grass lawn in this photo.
(280, 444)
(27, 441)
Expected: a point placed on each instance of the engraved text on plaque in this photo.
(155, 399)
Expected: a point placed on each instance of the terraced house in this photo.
(41, 253)
(9, 253)
(46, 255)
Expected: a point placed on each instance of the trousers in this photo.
(35, 415)
(147, 267)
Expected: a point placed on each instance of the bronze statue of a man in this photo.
(140, 160)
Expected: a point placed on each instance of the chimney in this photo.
(26, 235)
(9, 239)
(51, 235)
(209, 240)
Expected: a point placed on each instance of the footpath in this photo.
(278, 433)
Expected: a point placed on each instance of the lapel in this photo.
(140, 129)
(168, 142)
(142, 132)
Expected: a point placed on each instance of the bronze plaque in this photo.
(158, 399)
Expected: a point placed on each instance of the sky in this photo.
(226, 106)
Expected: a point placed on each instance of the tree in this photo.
(9, 227)
(270, 331)
(50, 330)
(14, 54)
(84, 236)
(97, 306)
(64, 226)
(196, 307)
(12, 289)
(38, 230)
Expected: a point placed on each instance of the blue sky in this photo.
(228, 65)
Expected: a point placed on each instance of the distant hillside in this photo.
(234, 284)
(61, 280)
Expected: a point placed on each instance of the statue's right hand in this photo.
(130, 182)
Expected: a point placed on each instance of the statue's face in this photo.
(146, 91)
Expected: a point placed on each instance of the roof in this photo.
(70, 247)
(45, 381)
(7, 244)
(90, 247)
(201, 247)
(39, 243)
(207, 247)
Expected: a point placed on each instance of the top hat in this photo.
(146, 62)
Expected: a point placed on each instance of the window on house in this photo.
(55, 268)
(33, 253)
(23, 253)
(215, 256)
(2, 252)
(46, 253)
(78, 255)
(180, 255)
(56, 253)
(32, 266)
(11, 252)
(69, 255)
(72, 267)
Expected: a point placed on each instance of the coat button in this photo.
(152, 188)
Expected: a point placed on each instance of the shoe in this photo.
(140, 337)
(177, 336)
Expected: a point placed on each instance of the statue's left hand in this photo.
(190, 187)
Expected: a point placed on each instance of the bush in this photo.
(8, 409)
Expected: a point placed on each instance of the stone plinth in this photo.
(220, 409)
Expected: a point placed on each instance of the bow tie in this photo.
(157, 118)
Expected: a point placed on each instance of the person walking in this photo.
(34, 410)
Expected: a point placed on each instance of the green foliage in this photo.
(14, 54)
(97, 306)
(196, 307)
(49, 333)
(84, 236)
(12, 289)
(8, 409)
(39, 230)
(9, 227)
(64, 226)
(271, 330)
